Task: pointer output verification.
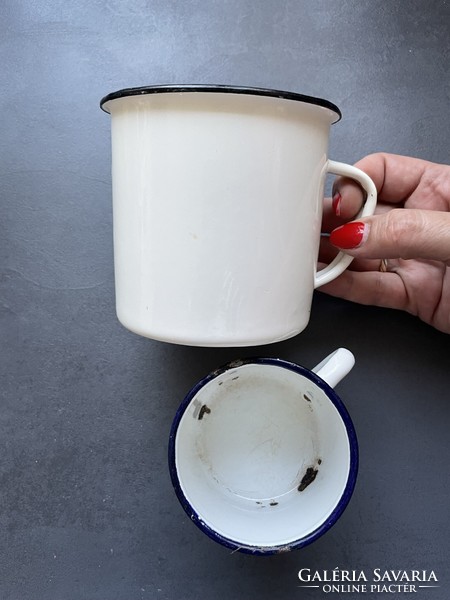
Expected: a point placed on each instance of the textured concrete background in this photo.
(87, 511)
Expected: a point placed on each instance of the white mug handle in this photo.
(342, 260)
(335, 366)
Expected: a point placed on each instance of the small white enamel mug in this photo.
(263, 455)
(217, 206)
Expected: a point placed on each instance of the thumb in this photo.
(399, 233)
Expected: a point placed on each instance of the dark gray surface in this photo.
(86, 505)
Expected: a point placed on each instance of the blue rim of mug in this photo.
(346, 494)
(226, 89)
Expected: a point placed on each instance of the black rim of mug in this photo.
(227, 89)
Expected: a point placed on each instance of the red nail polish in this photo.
(350, 235)
(336, 204)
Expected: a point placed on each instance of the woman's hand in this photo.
(402, 253)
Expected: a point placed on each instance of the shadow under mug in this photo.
(217, 208)
(263, 454)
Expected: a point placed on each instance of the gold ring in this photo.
(383, 266)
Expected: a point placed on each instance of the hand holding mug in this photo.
(402, 253)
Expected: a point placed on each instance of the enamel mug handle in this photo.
(342, 260)
(335, 367)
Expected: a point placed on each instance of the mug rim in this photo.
(226, 89)
(352, 472)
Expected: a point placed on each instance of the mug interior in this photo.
(262, 457)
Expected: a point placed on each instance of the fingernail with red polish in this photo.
(336, 204)
(350, 235)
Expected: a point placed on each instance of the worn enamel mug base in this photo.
(263, 456)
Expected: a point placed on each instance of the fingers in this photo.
(330, 220)
(399, 233)
(370, 288)
(327, 253)
(395, 177)
(414, 286)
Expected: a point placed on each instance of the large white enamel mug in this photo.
(263, 455)
(217, 206)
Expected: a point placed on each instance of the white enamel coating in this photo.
(241, 463)
(335, 367)
(217, 205)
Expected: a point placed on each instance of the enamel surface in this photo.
(262, 456)
(217, 203)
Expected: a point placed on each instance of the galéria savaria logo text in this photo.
(376, 581)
